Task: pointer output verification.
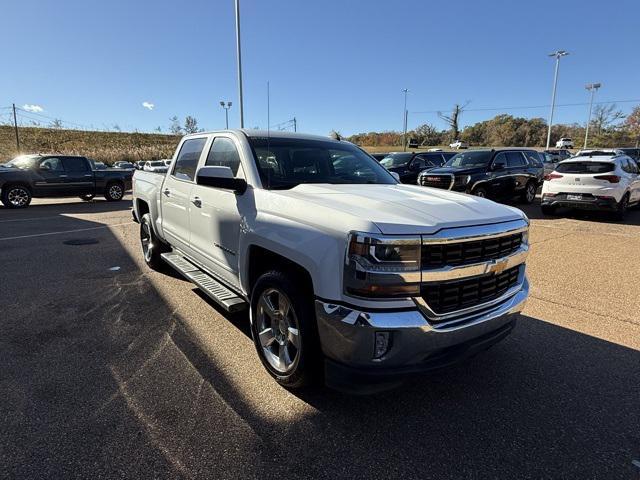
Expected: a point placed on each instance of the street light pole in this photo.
(226, 107)
(404, 127)
(239, 63)
(557, 54)
(592, 87)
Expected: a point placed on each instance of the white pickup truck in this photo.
(346, 272)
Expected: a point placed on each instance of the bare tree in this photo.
(57, 123)
(604, 116)
(190, 124)
(175, 127)
(453, 119)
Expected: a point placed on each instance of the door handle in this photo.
(197, 202)
(167, 192)
(62, 176)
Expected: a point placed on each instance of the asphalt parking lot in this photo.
(112, 370)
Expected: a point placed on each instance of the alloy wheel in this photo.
(18, 197)
(531, 192)
(115, 191)
(278, 330)
(146, 240)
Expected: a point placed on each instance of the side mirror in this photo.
(220, 177)
(395, 175)
(497, 167)
(44, 167)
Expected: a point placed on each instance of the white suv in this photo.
(607, 182)
(458, 144)
(564, 143)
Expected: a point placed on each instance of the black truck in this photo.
(499, 174)
(29, 176)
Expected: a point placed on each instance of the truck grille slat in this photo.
(444, 254)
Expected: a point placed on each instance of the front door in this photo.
(176, 193)
(50, 178)
(517, 174)
(215, 215)
(496, 183)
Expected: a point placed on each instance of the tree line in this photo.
(608, 128)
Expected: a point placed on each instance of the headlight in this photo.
(463, 180)
(380, 266)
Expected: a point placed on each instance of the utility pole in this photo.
(557, 54)
(15, 126)
(592, 87)
(404, 127)
(239, 63)
(295, 124)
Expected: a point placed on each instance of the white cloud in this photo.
(148, 105)
(33, 108)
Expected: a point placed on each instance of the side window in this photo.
(500, 159)
(534, 158)
(75, 164)
(223, 153)
(418, 163)
(52, 164)
(515, 159)
(187, 161)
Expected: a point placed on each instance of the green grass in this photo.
(106, 147)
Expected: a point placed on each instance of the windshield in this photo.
(396, 160)
(287, 162)
(585, 167)
(469, 159)
(23, 161)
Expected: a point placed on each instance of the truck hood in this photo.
(403, 209)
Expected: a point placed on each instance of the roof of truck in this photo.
(269, 133)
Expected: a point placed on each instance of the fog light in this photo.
(382, 344)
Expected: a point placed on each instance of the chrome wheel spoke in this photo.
(293, 337)
(283, 306)
(284, 360)
(267, 306)
(267, 337)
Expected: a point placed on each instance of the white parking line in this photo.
(66, 231)
(27, 219)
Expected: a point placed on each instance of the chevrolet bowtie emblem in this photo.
(498, 267)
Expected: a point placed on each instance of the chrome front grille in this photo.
(441, 254)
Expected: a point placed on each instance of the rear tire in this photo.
(114, 192)
(152, 246)
(16, 196)
(623, 206)
(286, 342)
(529, 194)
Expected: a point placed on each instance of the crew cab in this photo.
(39, 176)
(499, 174)
(347, 274)
(595, 182)
(409, 164)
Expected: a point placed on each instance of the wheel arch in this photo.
(262, 260)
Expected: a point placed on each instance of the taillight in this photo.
(551, 176)
(608, 178)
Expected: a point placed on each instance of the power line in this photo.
(524, 107)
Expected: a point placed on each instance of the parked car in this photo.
(379, 156)
(39, 176)
(559, 154)
(345, 272)
(498, 174)
(167, 162)
(549, 162)
(634, 153)
(140, 165)
(599, 182)
(157, 166)
(564, 143)
(409, 164)
(98, 165)
(459, 144)
(124, 165)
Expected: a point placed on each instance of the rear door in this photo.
(79, 176)
(497, 176)
(630, 170)
(50, 178)
(518, 174)
(176, 192)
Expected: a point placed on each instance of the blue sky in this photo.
(333, 64)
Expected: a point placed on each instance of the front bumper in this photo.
(347, 336)
(587, 203)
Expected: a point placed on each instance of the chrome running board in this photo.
(215, 290)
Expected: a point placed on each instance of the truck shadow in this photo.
(128, 373)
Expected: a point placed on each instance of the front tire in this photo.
(114, 192)
(16, 196)
(152, 246)
(480, 192)
(284, 330)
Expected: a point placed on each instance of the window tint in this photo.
(53, 164)
(534, 158)
(585, 167)
(223, 153)
(500, 159)
(75, 164)
(515, 159)
(187, 161)
(418, 162)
